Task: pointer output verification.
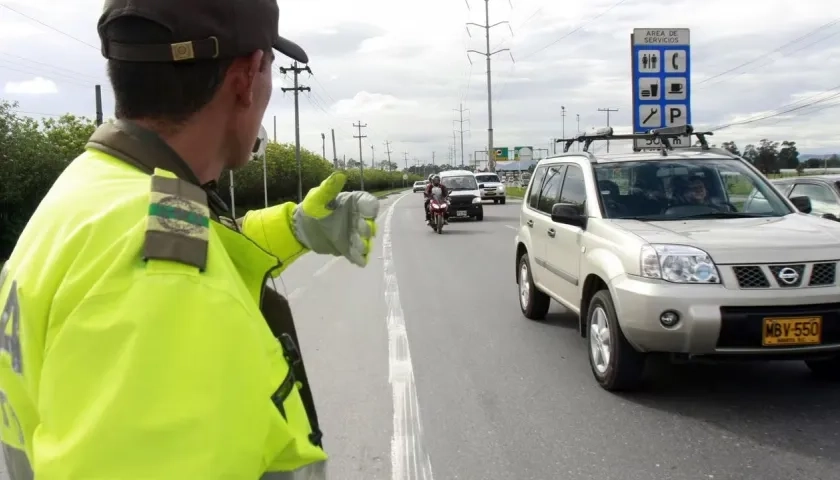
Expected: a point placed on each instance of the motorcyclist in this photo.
(434, 182)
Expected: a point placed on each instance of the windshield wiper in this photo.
(641, 218)
(718, 215)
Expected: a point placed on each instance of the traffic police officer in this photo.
(139, 340)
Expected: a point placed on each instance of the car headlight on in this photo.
(477, 200)
(501, 188)
(678, 264)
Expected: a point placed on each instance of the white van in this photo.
(464, 196)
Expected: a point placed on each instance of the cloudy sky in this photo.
(402, 68)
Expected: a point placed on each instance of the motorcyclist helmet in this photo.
(430, 177)
(435, 179)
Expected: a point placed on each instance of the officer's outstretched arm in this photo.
(272, 229)
(157, 378)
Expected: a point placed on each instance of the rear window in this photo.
(487, 178)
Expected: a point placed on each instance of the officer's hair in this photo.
(167, 93)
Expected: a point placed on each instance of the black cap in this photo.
(202, 30)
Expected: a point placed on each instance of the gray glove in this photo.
(332, 222)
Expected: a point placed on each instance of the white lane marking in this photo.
(296, 293)
(409, 460)
(327, 266)
(511, 227)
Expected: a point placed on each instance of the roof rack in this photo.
(664, 135)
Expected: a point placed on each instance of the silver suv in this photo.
(658, 253)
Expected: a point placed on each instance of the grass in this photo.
(515, 192)
(385, 193)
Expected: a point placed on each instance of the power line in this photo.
(49, 26)
(785, 109)
(777, 50)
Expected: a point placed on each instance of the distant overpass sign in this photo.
(661, 71)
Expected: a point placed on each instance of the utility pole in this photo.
(275, 129)
(361, 162)
(563, 116)
(461, 111)
(608, 110)
(433, 158)
(405, 157)
(491, 163)
(335, 157)
(324, 146)
(296, 70)
(98, 100)
(578, 132)
(388, 152)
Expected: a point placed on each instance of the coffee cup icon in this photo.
(675, 88)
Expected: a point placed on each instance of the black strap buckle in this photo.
(290, 350)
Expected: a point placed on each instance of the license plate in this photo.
(785, 332)
(461, 213)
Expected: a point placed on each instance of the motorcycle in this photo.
(438, 208)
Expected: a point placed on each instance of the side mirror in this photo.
(803, 203)
(480, 185)
(568, 214)
(831, 216)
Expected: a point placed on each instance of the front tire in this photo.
(480, 216)
(502, 201)
(533, 303)
(615, 364)
(440, 224)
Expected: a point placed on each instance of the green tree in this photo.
(768, 156)
(789, 155)
(731, 148)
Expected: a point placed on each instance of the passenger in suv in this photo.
(614, 239)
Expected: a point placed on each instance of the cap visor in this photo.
(290, 49)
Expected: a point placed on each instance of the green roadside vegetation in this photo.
(515, 192)
(34, 153)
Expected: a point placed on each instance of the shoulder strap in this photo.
(178, 227)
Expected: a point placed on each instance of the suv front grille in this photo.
(820, 274)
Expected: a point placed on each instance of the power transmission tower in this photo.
(388, 152)
(405, 157)
(487, 53)
(461, 111)
(608, 110)
(361, 162)
(372, 157)
(296, 70)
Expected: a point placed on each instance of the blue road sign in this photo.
(661, 63)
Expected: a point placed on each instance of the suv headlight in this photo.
(678, 264)
(501, 188)
(477, 200)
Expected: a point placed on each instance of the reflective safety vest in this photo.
(133, 343)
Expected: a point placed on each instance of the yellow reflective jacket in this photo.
(128, 354)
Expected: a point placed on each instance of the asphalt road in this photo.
(503, 397)
(480, 393)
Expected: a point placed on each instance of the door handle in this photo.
(551, 232)
(530, 223)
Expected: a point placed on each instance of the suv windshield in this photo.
(419, 184)
(461, 182)
(684, 189)
(487, 178)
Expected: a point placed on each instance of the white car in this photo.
(420, 186)
(658, 254)
(464, 195)
(491, 187)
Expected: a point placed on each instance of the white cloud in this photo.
(402, 68)
(36, 86)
